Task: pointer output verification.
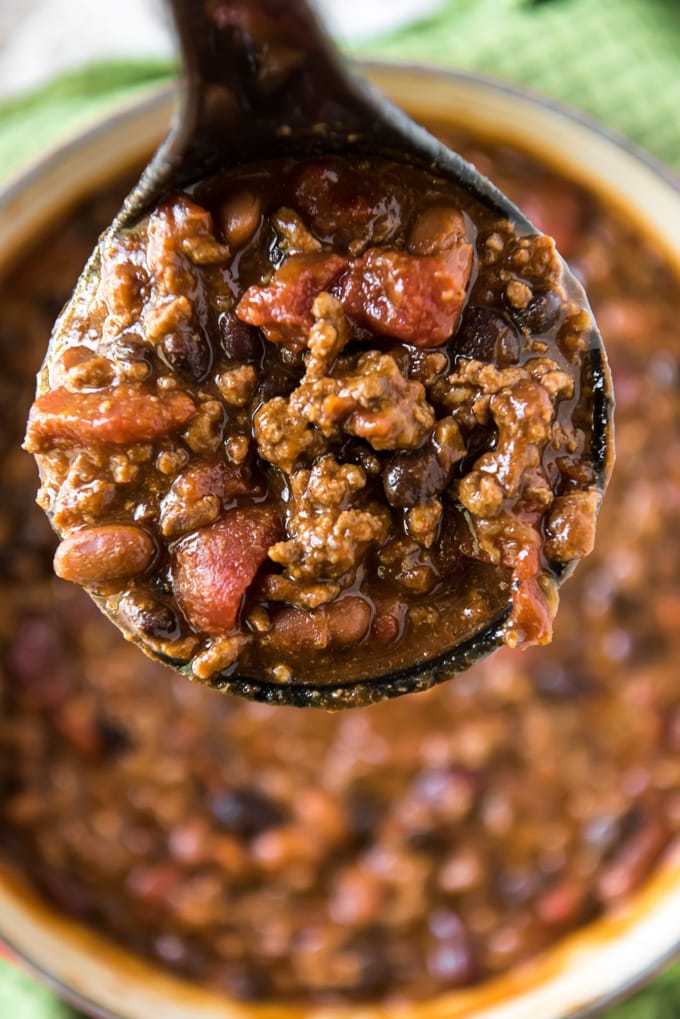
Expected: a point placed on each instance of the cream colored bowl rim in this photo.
(586, 971)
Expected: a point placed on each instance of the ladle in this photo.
(261, 81)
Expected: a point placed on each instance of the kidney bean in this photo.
(99, 555)
(122, 415)
(337, 201)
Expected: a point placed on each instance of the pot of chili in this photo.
(505, 847)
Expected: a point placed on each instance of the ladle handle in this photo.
(257, 73)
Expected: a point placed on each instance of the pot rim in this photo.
(149, 107)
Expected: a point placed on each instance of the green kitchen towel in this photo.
(22, 998)
(618, 60)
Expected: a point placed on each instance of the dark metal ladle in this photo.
(262, 80)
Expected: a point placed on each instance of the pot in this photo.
(587, 970)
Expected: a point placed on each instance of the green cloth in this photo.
(22, 998)
(618, 60)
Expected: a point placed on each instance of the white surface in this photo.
(39, 38)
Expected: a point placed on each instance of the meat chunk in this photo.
(294, 237)
(197, 495)
(122, 415)
(214, 567)
(327, 338)
(330, 525)
(570, 526)
(373, 401)
(414, 298)
(283, 308)
(282, 434)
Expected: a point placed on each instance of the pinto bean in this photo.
(438, 228)
(348, 620)
(99, 555)
(336, 625)
(239, 218)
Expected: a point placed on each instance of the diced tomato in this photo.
(532, 610)
(215, 566)
(557, 211)
(283, 308)
(414, 298)
(120, 415)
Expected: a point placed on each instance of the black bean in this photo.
(187, 353)
(541, 313)
(486, 336)
(67, 891)
(412, 478)
(245, 812)
(149, 616)
(240, 342)
(374, 973)
(113, 737)
(275, 381)
(557, 682)
(365, 813)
